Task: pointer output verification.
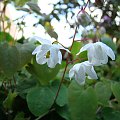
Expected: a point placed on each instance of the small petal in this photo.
(91, 72)
(80, 76)
(108, 50)
(61, 47)
(111, 54)
(42, 41)
(45, 47)
(59, 57)
(50, 63)
(54, 54)
(37, 49)
(40, 57)
(41, 60)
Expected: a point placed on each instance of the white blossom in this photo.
(98, 53)
(80, 70)
(48, 53)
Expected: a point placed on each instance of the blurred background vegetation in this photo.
(19, 72)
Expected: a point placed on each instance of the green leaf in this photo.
(103, 92)
(82, 103)
(19, 116)
(24, 86)
(110, 114)
(9, 59)
(62, 98)
(5, 36)
(34, 1)
(52, 33)
(43, 72)
(25, 53)
(76, 48)
(116, 90)
(39, 100)
(34, 7)
(108, 41)
(20, 2)
(64, 112)
(8, 102)
(83, 56)
(23, 9)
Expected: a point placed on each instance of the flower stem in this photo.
(67, 62)
(73, 39)
(62, 79)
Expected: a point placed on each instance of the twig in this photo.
(73, 39)
(78, 59)
(67, 63)
(60, 84)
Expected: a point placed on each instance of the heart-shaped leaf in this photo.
(39, 100)
(9, 59)
(43, 72)
(82, 102)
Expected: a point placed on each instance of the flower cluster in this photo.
(97, 53)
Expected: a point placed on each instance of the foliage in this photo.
(30, 91)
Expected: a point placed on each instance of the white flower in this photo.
(98, 53)
(48, 53)
(80, 70)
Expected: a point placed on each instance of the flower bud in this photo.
(84, 33)
(102, 30)
(83, 19)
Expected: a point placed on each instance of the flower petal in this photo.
(108, 50)
(41, 40)
(61, 47)
(40, 59)
(50, 63)
(59, 57)
(53, 60)
(91, 72)
(54, 54)
(80, 75)
(86, 47)
(37, 49)
(111, 54)
(45, 47)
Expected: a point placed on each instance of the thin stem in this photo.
(86, 4)
(73, 39)
(78, 59)
(84, 39)
(84, 7)
(67, 63)
(65, 68)
(60, 83)
(59, 43)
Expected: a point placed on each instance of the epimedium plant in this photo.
(44, 80)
